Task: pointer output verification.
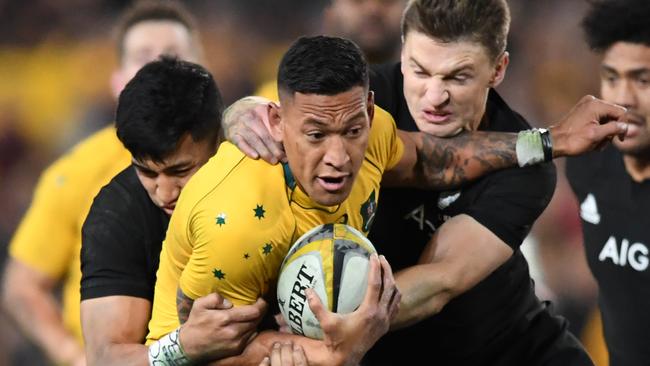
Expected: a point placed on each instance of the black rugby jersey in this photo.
(500, 320)
(121, 240)
(615, 215)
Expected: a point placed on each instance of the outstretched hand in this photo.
(588, 126)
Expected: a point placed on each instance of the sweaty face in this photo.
(164, 181)
(146, 41)
(373, 24)
(325, 139)
(625, 80)
(446, 84)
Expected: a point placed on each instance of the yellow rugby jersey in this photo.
(48, 238)
(237, 217)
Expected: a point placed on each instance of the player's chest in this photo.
(358, 210)
(616, 227)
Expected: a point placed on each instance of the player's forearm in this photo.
(448, 162)
(38, 315)
(425, 289)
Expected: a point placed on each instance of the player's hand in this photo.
(285, 354)
(246, 124)
(590, 124)
(215, 329)
(349, 336)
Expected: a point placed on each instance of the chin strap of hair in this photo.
(534, 146)
(168, 351)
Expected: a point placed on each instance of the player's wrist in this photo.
(534, 146)
(168, 351)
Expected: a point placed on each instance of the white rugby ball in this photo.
(333, 259)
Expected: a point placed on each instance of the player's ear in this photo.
(276, 126)
(500, 67)
(371, 106)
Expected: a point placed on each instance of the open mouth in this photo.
(436, 116)
(332, 184)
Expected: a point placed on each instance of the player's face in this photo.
(325, 139)
(446, 84)
(146, 41)
(164, 181)
(625, 80)
(373, 24)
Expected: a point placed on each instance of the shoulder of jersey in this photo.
(382, 131)
(98, 157)
(230, 176)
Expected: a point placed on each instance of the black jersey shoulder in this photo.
(121, 240)
(387, 82)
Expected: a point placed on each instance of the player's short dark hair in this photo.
(322, 65)
(153, 10)
(611, 21)
(485, 22)
(165, 100)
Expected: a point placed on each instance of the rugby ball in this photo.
(333, 259)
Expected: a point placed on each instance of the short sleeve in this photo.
(512, 200)
(113, 254)
(49, 231)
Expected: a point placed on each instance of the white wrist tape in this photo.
(168, 351)
(530, 148)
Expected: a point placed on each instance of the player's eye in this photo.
(315, 136)
(419, 72)
(643, 81)
(609, 78)
(354, 132)
(146, 172)
(181, 172)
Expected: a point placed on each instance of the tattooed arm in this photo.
(183, 306)
(440, 163)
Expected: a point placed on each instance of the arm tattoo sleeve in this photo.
(449, 162)
(183, 306)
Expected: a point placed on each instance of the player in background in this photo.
(44, 251)
(374, 25)
(612, 186)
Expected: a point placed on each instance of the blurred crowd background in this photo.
(56, 58)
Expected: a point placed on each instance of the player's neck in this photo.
(637, 167)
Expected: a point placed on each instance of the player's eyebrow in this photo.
(630, 73)
(170, 169)
(464, 66)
